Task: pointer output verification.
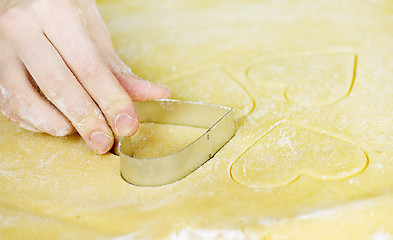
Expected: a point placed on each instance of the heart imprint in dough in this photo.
(309, 79)
(288, 151)
(211, 84)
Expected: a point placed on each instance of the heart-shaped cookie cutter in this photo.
(167, 169)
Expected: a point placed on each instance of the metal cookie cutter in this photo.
(173, 167)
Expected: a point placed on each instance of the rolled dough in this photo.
(156, 140)
(311, 85)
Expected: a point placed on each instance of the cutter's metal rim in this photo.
(181, 150)
(166, 169)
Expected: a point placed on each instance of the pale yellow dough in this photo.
(312, 157)
(156, 140)
(288, 151)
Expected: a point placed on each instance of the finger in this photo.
(22, 103)
(81, 55)
(63, 90)
(8, 114)
(5, 95)
(137, 88)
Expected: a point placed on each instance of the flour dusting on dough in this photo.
(125, 237)
(318, 214)
(196, 234)
(267, 221)
(382, 235)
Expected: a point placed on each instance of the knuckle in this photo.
(89, 70)
(113, 105)
(83, 113)
(90, 118)
(53, 80)
(91, 123)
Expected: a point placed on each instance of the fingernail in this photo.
(100, 142)
(125, 125)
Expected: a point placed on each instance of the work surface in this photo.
(311, 83)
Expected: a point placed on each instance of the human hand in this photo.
(59, 72)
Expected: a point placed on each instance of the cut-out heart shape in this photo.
(310, 79)
(288, 151)
(211, 84)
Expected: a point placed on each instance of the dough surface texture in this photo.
(311, 87)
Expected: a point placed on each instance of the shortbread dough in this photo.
(155, 140)
(311, 87)
(305, 152)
